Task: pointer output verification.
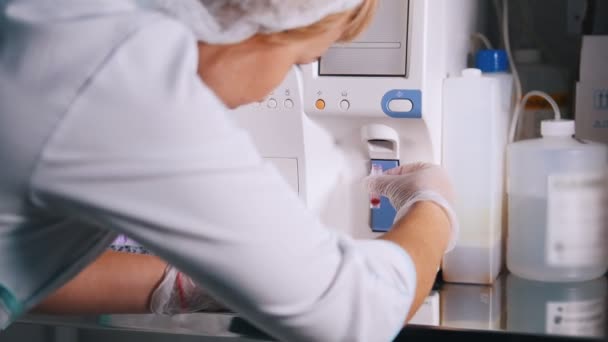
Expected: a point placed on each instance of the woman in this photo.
(112, 120)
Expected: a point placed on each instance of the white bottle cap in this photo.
(471, 72)
(557, 128)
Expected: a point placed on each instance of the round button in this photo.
(344, 105)
(288, 104)
(272, 103)
(320, 104)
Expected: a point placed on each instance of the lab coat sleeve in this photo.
(149, 151)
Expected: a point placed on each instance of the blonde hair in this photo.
(358, 20)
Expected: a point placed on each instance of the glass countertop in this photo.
(511, 306)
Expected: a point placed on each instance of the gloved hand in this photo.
(408, 184)
(177, 293)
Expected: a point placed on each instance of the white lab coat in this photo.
(105, 128)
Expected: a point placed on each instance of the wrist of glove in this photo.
(408, 184)
(434, 197)
(177, 294)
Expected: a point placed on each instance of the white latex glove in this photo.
(177, 293)
(408, 184)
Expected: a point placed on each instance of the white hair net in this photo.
(232, 21)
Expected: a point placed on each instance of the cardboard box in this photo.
(594, 58)
(592, 111)
(592, 90)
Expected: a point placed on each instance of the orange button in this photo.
(320, 104)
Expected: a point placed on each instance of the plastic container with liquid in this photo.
(558, 217)
(476, 114)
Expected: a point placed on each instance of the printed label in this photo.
(600, 99)
(580, 318)
(577, 219)
(600, 124)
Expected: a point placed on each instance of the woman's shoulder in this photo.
(92, 22)
(69, 43)
(97, 54)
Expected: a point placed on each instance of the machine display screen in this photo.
(380, 51)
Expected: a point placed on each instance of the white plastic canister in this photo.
(476, 119)
(558, 215)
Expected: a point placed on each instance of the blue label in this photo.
(382, 218)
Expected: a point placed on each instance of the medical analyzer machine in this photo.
(370, 104)
(374, 101)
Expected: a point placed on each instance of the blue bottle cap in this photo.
(492, 61)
